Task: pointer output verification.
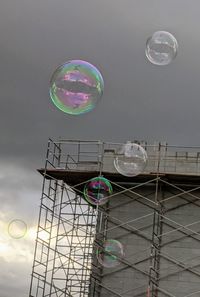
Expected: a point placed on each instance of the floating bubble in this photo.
(110, 254)
(161, 48)
(98, 190)
(130, 159)
(17, 228)
(76, 87)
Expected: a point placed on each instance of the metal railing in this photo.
(99, 156)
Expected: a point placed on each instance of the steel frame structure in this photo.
(158, 234)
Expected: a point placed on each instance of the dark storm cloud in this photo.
(145, 101)
(17, 184)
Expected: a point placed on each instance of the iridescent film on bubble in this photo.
(17, 229)
(130, 159)
(76, 87)
(97, 191)
(111, 254)
(161, 48)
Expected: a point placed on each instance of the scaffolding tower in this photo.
(155, 216)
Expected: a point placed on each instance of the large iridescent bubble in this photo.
(17, 228)
(98, 190)
(76, 87)
(111, 254)
(161, 48)
(130, 159)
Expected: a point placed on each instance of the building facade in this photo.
(155, 216)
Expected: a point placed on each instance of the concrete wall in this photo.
(130, 220)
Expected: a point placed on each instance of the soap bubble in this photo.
(110, 254)
(97, 191)
(17, 229)
(130, 159)
(76, 87)
(161, 48)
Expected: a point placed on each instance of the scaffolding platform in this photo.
(155, 216)
(77, 177)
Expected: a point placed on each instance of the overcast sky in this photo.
(140, 101)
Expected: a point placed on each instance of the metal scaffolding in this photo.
(154, 215)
